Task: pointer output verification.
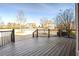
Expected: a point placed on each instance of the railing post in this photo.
(37, 32)
(13, 36)
(33, 34)
(48, 33)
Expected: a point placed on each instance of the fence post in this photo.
(13, 36)
(37, 32)
(33, 34)
(48, 33)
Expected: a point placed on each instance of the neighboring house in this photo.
(49, 24)
(73, 25)
(31, 25)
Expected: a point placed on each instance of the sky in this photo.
(32, 11)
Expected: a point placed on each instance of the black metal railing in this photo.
(43, 32)
(35, 33)
(6, 36)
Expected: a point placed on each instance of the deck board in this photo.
(41, 46)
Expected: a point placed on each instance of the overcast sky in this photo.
(33, 12)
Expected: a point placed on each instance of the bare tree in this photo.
(64, 19)
(42, 21)
(21, 18)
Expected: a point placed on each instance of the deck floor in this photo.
(41, 46)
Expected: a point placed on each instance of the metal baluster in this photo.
(0, 39)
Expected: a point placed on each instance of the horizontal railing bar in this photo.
(6, 31)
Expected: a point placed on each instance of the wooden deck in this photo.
(41, 46)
